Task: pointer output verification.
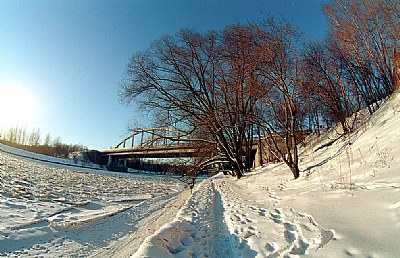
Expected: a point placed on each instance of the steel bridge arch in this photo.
(154, 137)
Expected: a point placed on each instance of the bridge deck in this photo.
(155, 151)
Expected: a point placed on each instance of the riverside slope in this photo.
(346, 203)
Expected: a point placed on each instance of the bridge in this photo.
(150, 143)
(164, 143)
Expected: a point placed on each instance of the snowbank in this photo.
(76, 164)
(346, 204)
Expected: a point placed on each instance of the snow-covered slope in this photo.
(77, 164)
(346, 204)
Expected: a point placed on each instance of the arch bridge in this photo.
(154, 137)
(162, 143)
(151, 143)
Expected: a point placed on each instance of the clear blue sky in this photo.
(65, 59)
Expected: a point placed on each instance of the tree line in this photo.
(227, 88)
(21, 138)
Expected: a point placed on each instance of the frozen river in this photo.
(54, 211)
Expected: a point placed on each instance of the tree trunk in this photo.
(237, 165)
(396, 70)
(295, 171)
(238, 170)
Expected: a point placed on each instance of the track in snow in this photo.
(272, 231)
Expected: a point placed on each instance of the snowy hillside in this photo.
(347, 203)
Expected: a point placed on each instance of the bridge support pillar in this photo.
(125, 162)
(109, 160)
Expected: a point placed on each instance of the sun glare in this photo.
(18, 106)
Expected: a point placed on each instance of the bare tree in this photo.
(12, 134)
(279, 76)
(192, 80)
(47, 139)
(239, 91)
(326, 87)
(34, 137)
(364, 34)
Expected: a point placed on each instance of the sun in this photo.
(18, 106)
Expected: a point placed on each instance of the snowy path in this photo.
(197, 231)
(220, 220)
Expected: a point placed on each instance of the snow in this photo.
(77, 163)
(49, 210)
(345, 204)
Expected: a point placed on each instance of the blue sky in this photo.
(65, 59)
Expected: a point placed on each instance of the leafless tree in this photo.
(197, 82)
(34, 137)
(325, 86)
(47, 139)
(363, 34)
(279, 78)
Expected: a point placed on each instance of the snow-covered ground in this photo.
(51, 211)
(77, 163)
(346, 204)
